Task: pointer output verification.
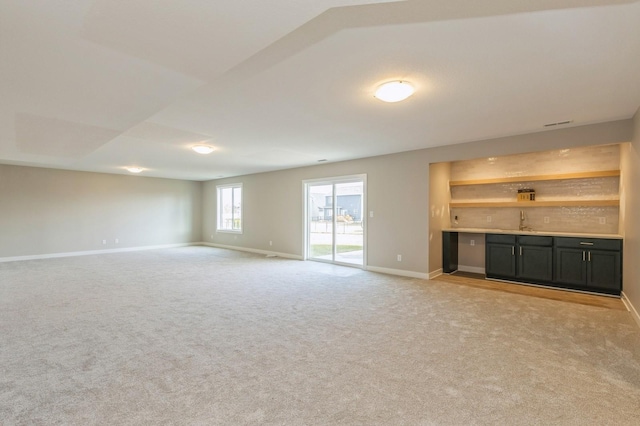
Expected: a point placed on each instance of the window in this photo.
(230, 208)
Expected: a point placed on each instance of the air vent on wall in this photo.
(559, 123)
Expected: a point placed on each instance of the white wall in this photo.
(398, 193)
(46, 211)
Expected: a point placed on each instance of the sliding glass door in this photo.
(335, 216)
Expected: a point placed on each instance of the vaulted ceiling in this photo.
(98, 85)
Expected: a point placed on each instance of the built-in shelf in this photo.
(582, 175)
(522, 204)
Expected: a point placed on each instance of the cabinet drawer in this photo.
(534, 240)
(589, 243)
(501, 239)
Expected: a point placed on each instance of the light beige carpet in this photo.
(203, 336)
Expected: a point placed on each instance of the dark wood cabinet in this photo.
(519, 257)
(604, 270)
(500, 256)
(535, 258)
(571, 269)
(589, 263)
(449, 252)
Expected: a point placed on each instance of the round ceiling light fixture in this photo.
(203, 149)
(394, 91)
(134, 169)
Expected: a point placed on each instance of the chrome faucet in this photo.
(522, 226)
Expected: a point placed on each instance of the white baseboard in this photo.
(389, 271)
(632, 310)
(462, 268)
(256, 251)
(90, 252)
(435, 274)
(399, 272)
(472, 269)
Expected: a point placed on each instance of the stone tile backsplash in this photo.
(593, 220)
(574, 160)
(560, 219)
(550, 190)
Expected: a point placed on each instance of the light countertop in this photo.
(541, 233)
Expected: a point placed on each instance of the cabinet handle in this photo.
(513, 253)
(583, 259)
(521, 251)
(589, 256)
(582, 243)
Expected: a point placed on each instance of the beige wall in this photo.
(630, 208)
(46, 211)
(397, 190)
(439, 197)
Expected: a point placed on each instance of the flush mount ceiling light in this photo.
(203, 149)
(134, 169)
(394, 91)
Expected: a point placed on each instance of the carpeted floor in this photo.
(203, 336)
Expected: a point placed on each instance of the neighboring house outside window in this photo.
(229, 208)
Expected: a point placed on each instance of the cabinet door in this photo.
(535, 263)
(604, 270)
(449, 252)
(571, 266)
(500, 261)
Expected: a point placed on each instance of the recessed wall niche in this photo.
(576, 190)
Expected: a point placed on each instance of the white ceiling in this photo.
(99, 85)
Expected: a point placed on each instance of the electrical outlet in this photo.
(399, 258)
(546, 219)
(371, 213)
(602, 220)
(104, 242)
(270, 243)
(212, 236)
(472, 242)
(116, 241)
(488, 219)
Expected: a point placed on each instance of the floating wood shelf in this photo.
(523, 204)
(582, 175)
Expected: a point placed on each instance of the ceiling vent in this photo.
(559, 123)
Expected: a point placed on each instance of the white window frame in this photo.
(219, 207)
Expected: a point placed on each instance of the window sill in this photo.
(228, 231)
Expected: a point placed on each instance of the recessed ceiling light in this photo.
(394, 91)
(203, 149)
(322, 161)
(134, 169)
